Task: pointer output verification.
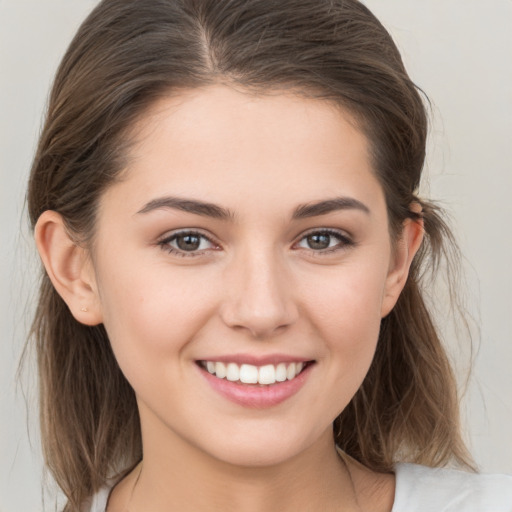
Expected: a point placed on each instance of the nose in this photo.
(258, 295)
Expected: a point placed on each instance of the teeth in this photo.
(250, 374)
(220, 370)
(267, 374)
(281, 372)
(232, 372)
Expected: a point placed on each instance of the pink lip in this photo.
(254, 395)
(256, 360)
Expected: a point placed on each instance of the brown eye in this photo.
(325, 241)
(188, 242)
(318, 241)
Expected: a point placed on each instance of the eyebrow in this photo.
(328, 206)
(189, 206)
(218, 212)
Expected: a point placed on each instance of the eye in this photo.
(324, 240)
(184, 242)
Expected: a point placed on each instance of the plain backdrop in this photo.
(458, 51)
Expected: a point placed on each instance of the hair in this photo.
(125, 56)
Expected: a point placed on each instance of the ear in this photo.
(406, 248)
(69, 268)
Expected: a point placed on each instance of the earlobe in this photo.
(68, 267)
(406, 248)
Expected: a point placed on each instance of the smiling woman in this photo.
(231, 317)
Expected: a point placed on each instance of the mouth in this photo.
(248, 374)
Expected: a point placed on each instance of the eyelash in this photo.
(344, 242)
(165, 244)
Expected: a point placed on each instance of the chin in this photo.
(260, 450)
(255, 457)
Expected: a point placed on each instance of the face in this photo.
(247, 241)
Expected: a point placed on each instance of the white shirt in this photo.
(423, 489)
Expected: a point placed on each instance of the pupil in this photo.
(319, 241)
(188, 242)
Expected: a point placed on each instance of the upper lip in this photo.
(256, 360)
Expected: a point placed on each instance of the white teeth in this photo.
(250, 374)
(290, 371)
(267, 374)
(232, 372)
(281, 372)
(220, 370)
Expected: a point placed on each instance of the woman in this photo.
(225, 201)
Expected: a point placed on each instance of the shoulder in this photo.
(425, 489)
(113, 493)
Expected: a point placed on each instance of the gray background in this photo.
(458, 51)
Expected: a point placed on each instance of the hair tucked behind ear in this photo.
(127, 54)
(407, 407)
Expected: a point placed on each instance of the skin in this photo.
(255, 286)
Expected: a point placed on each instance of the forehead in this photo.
(210, 112)
(229, 146)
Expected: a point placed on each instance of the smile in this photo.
(264, 384)
(250, 374)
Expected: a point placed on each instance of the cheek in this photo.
(151, 312)
(346, 315)
(347, 304)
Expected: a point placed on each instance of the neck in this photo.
(177, 476)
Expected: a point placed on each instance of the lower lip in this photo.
(257, 396)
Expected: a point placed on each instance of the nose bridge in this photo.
(258, 296)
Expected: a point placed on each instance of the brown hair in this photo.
(128, 53)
